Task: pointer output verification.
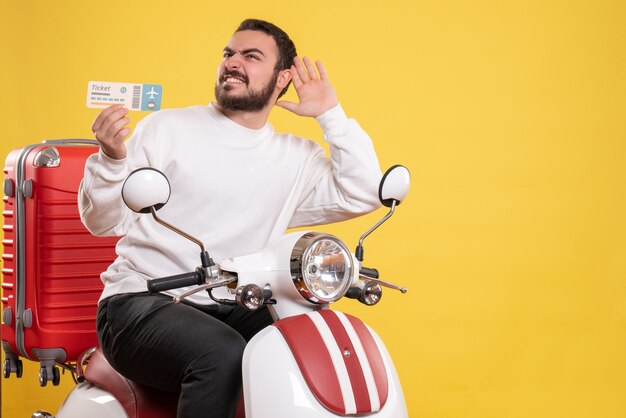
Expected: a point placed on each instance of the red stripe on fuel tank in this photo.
(312, 357)
(353, 365)
(374, 357)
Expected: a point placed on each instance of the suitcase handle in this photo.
(71, 141)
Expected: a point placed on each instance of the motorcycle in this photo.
(311, 362)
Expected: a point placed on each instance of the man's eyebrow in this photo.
(245, 51)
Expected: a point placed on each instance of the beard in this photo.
(252, 101)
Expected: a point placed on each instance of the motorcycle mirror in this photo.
(393, 188)
(146, 188)
(394, 185)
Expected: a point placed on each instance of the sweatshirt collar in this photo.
(241, 135)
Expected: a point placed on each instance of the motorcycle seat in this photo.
(138, 401)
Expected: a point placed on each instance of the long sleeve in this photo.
(344, 185)
(101, 207)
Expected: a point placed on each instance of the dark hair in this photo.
(286, 48)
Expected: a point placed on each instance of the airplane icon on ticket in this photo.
(152, 93)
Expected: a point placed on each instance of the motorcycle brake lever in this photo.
(383, 283)
(213, 284)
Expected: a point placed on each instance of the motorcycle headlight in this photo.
(321, 267)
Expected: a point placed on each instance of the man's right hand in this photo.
(110, 130)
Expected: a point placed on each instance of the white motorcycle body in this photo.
(89, 400)
(273, 383)
(273, 387)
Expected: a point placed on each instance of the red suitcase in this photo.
(51, 263)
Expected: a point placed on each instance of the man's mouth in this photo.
(234, 78)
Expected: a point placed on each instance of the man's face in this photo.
(246, 77)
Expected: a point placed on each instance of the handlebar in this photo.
(368, 272)
(196, 277)
(354, 292)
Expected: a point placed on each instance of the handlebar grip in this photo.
(178, 280)
(354, 292)
(368, 272)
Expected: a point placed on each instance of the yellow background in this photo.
(511, 118)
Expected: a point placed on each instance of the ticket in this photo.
(133, 96)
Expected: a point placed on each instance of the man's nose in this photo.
(233, 62)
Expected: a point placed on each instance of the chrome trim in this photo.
(223, 281)
(176, 230)
(81, 363)
(47, 157)
(371, 294)
(300, 248)
(379, 223)
(250, 293)
(384, 283)
(41, 414)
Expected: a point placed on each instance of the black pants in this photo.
(194, 349)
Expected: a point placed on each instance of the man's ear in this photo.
(284, 77)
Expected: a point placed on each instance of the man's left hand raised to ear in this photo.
(315, 92)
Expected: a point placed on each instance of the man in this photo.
(236, 185)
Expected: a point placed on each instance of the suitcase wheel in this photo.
(19, 369)
(56, 376)
(43, 376)
(9, 367)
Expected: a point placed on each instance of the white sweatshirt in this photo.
(233, 188)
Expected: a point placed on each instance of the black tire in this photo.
(56, 376)
(43, 377)
(6, 368)
(19, 369)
